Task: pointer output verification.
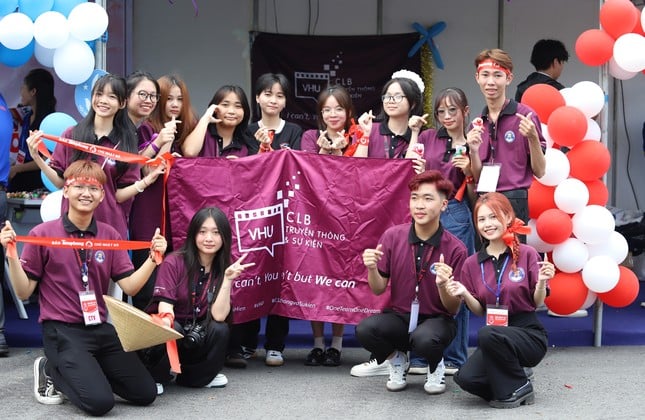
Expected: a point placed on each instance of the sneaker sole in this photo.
(435, 391)
(380, 372)
(274, 363)
(396, 389)
(418, 370)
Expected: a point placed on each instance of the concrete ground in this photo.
(570, 383)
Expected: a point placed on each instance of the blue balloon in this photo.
(65, 6)
(54, 124)
(7, 6)
(46, 181)
(6, 122)
(35, 8)
(16, 58)
(83, 92)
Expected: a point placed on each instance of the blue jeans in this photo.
(458, 220)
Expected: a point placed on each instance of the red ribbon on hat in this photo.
(517, 227)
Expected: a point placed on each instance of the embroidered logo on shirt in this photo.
(99, 257)
(509, 136)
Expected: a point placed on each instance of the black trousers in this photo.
(246, 334)
(199, 365)
(495, 369)
(520, 202)
(144, 296)
(88, 365)
(384, 333)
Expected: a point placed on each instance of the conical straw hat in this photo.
(135, 328)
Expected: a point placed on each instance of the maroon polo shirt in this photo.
(516, 290)
(58, 270)
(146, 212)
(438, 153)
(385, 144)
(213, 146)
(109, 211)
(503, 143)
(400, 244)
(308, 142)
(172, 286)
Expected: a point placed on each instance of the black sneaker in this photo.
(236, 360)
(332, 357)
(44, 390)
(316, 357)
(4, 348)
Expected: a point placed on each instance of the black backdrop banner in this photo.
(362, 64)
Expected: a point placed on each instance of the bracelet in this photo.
(155, 147)
(144, 182)
(136, 187)
(364, 141)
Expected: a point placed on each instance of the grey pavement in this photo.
(570, 383)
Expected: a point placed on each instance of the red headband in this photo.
(490, 64)
(84, 180)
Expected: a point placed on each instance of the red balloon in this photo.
(598, 193)
(589, 160)
(568, 293)
(554, 226)
(567, 126)
(544, 99)
(625, 292)
(541, 198)
(618, 17)
(594, 47)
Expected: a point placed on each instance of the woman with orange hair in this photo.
(505, 281)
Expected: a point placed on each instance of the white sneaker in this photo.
(159, 388)
(274, 358)
(371, 368)
(436, 381)
(44, 390)
(398, 371)
(219, 381)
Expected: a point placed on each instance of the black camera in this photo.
(194, 335)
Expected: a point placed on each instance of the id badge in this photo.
(489, 177)
(497, 315)
(90, 307)
(20, 157)
(414, 315)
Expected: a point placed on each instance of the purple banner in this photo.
(362, 64)
(304, 219)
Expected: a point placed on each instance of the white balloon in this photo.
(593, 224)
(45, 56)
(534, 240)
(618, 72)
(591, 298)
(74, 61)
(593, 130)
(600, 274)
(51, 30)
(616, 247)
(557, 167)
(571, 195)
(628, 52)
(50, 208)
(568, 93)
(589, 97)
(570, 256)
(16, 31)
(546, 135)
(87, 21)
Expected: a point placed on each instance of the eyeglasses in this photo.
(392, 98)
(144, 96)
(452, 111)
(93, 189)
(337, 110)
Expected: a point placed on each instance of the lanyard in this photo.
(83, 258)
(499, 281)
(422, 268)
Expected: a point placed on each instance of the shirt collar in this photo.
(434, 240)
(483, 255)
(72, 228)
(509, 109)
(442, 133)
(385, 131)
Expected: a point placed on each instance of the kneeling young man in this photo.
(84, 358)
(419, 258)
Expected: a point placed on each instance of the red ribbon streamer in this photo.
(357, 133)
(171, 345)
(75, 243)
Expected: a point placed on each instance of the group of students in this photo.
(431, 262)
